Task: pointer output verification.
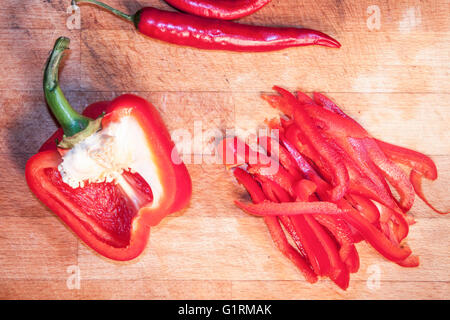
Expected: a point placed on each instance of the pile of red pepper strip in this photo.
(217, 34)
(331, 190)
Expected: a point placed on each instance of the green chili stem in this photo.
(105, 6)
(70, 120)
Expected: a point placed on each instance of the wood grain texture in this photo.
(394, 80)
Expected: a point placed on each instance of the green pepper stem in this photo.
(106, 7)
(70, 120)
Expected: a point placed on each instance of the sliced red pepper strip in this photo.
(285, 247)
(304, 188)
(277, 151)
(366, 207)
(250, 185)
(315, 252)
(280, 175)
(413, 159)
(376, 238)
(335, 123)
(279, 103)
(235, 152)
(393, 174)
(290, 208)
(341, 231)
(333, 160)
(277, 192)
(326, 103)
(410, 262)
(338, 270)
(219, 9)
(276, 232)
(416, 181)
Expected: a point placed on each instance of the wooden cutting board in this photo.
(393, 77)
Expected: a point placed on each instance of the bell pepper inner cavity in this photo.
(102, 206)
(105, 155)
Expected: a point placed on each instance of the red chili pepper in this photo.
(213, 34)
(112, 217)
(219, 9)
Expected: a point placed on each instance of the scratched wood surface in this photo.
(394, 79)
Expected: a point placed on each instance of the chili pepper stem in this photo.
(70, 120)
(108, 8)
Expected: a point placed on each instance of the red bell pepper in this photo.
(112, 216)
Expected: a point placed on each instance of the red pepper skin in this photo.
(174, 178)
(219, 9)
(212, 34)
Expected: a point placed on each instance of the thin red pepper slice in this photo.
(274, 227)
(315, 252)
(290, 208)
(410, 262)
(392, 172)
(416, 181)
(376, 238)
(285, 247)
(326, 103)
(333, 160)
(343, 234)
(366, 207)
(219, 9)
(279, 175)
(338, 270)
(250, 185)
(277, 151)
(413, 159)
(304, 188)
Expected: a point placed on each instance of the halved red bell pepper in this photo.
(112, 216)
